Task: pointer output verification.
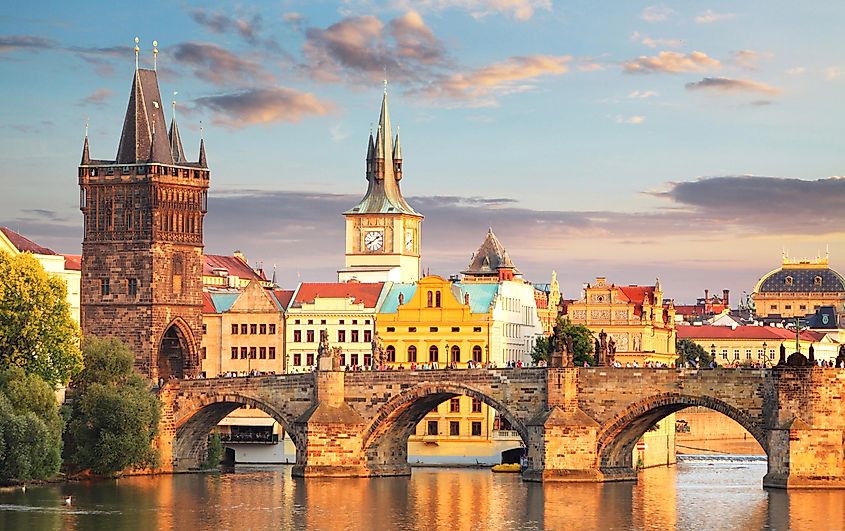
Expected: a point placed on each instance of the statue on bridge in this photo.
(611, 351)
(601, 350)
(840, 359)
(325, 355)
(378, 350)
(562, 351)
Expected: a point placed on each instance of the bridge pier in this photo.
(562, 447)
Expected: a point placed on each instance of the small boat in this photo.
(507, 467)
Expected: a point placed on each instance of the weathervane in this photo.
(137, 49)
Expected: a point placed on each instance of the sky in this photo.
(690, 141)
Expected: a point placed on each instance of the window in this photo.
(341, 336)
(322, 321)
(802, 307)
(367, 321)
(262, 353)
(368, 359)
(432, 353)
(736, 354)
(432, 329)
(104, 286)
(354, 335)
(748, 353)
(234, 329)
(787, 307)
(253, 329)
(412, 353)
(353, 359)
(253, 353)
(817, 281)
(234, 353)
(342, 321)
(132, 287)
(771, 353)
(476, 329)
(343, 359)
(310, 321)
(724, 353)
(476, 405)
(437, 299)
(243, 353)
(309, 336)
(297, 359)
(297, 336)
(391, 328)
(456, 353)
(271, 353)
(272, 329)
(204, 329)
(429, 298)
(391, 353)
(788, 281)
(454, 428)
(456, 329)
(455, 405)
(773, 307)
(431, 429)
(476, 353)
(262, 329)
(243, 329)
(368, 336)
(760, 353)
(412, 329)
(309, 358)
(296, 321)
(476, 428)
(355, 321)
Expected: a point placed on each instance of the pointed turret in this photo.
(156, 148)
(371, 156)
(86, 159)
(202, 162)
(176, 150)
(490, 263)
(144, 110)
(397, 157)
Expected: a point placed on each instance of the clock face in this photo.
(409, 240)
(373, 240)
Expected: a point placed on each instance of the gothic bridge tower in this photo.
(142, 250)
(382, 230)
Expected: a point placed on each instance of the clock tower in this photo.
(382, 230)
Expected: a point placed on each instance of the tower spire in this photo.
(175, 139)
(155, 55)
(137, 49)
(85, 157)
(202, 161)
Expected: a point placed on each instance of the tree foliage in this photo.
(37, 332)
(115, 415)
(582, 343)
(30, 427)
(691, 353)
(214, 452)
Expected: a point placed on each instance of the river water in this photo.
(705, 493)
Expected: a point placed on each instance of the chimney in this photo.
(725, 293)
(240, 256)
(706, 296)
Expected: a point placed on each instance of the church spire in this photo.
(175, 139)
(202, 162)
(86, 158)
(397, 157)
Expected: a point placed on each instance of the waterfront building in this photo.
(797, 289)
(65, 266)
(382, 230)
(143, 238)
(345, 310)
(641, 325)
(221, 271)
(755, 344)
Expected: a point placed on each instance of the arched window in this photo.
(476, 353)
(437, 299)
(412, 354)
(391, 353)
(432, 354)
(788, 281)
(456, 353)
(817, 281)
(428, 301)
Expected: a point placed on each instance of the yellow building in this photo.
(798, 288)
(634, 317)
(757, 345)
(68, 267)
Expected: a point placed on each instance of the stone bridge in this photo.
(577, 424)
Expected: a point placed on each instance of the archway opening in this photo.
(250, 432)
(173, 353)
(443, 426)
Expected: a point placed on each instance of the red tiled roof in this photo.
(234, 265)
(23, 244)
(283, 296)
(740, 332)
(362, 292)
(207, 303)
(73, 262)
(636, 294)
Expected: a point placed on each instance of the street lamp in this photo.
(765, 355)
(712, 354)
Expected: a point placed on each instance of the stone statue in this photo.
(561, 347)
(337, 352)
(782, 358)
(597, 352)
(378, 350)
(603, 347)
(636, 343)
(812, 355)
(611, 351)
(324, 354)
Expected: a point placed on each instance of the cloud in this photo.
(833, 72)
(262, 106)
(633, 120)
(654, 43)
(521, 10)
(415, 40)
(672, 62)
(642, 94)
(98, 97)
(9, 43)
(294, 20)
(795, 71)
(218, 65)
(659, 13)
(748, 58)
(709, 16)
(481, 85)
(723, 84)
(248, 28)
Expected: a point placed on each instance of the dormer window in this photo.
(817, 281)
(124, 170)
(788, 281)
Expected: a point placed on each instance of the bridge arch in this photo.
(616, 438)
(196, 421)
(385, 438)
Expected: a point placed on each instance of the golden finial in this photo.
(155, 54)
(86, 127)
(137, 49)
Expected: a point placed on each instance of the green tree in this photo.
(30, 427)
(582, 343)
(215, 451)
(37, 332)
(691, 353)
(115, 416)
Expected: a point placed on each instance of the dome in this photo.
(792, 279)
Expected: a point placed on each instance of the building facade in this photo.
(758, 345)
(634, 317)
(143, 239)
(797, 289)
(382, 230)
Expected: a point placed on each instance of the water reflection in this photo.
(693, 495)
